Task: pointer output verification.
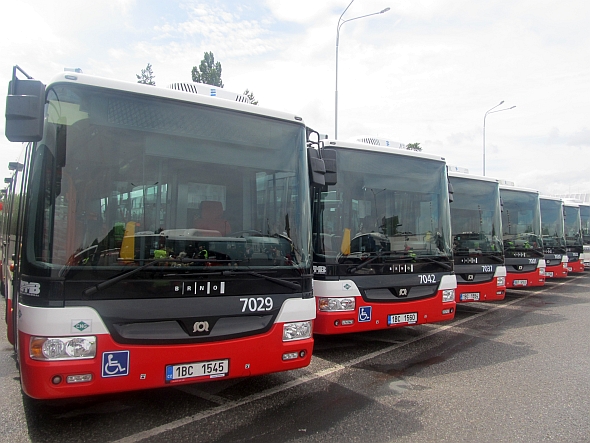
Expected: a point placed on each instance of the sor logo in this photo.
(403, 292)
(29, 288)
(201, 326)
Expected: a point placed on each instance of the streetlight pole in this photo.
(340, 23)
(490, 111)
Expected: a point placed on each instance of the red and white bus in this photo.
(585, 219)
(163, 237)
(9, 220)
(573, 237)
(382, 241)
(478, 252)
(552, 230)
(521, 233)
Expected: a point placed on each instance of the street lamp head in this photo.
(489, 111)
(340, 23)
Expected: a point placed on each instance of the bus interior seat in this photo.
(212, 217)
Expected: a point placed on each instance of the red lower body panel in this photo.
(371, 317)
(524, 279)
(557, 271)
(9, 321)
(489, 291)
(146, 364)
(576, 266)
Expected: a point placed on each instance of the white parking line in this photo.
(310, 377)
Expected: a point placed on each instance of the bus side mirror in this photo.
(317, 168)
(329, 156)
(451, 192)
(25, 110)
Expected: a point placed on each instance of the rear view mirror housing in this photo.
(451, 192)
(331, 164)
(317, 168)
(25, 109)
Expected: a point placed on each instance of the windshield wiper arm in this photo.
(431, 260)
(279, 281)
(113, 280)
(494, 257)
(361, 265)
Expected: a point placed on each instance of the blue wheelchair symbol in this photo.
(365, 314)
(115, 364)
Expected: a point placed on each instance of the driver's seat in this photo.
(212, 218)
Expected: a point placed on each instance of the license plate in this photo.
(520, 282)
(208, 369)
(549, 274)
(396, 319)
(470, 296)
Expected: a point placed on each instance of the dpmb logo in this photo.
(29, 288)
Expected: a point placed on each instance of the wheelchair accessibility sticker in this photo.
(115, 364)
(364, 313)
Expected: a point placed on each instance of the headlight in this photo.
(501, 281)
(296, 331)
(448, 295)
(541, 271)
(62, 348)
(336, 304)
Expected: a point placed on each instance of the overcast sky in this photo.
(426, 71)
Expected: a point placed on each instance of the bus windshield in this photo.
(573, 228)
(552, 224)
(521, 221)
(475, 217)
(121, 179)
(585, 218)
(387, 205)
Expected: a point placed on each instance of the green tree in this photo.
(250, 95)
(413, 147)
(208, 72)
(147, 76)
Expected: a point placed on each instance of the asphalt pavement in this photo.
(516, 370)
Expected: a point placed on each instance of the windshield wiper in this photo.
(521, 249)
(113, 280)
(431, 260)
(279, 281)
(361, 265)
(493, 256)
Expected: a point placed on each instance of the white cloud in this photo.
(426, 71)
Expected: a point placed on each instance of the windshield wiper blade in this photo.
(493, 256)
(279, 281)
(431, 260)
(361, 265)
(113, 280)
